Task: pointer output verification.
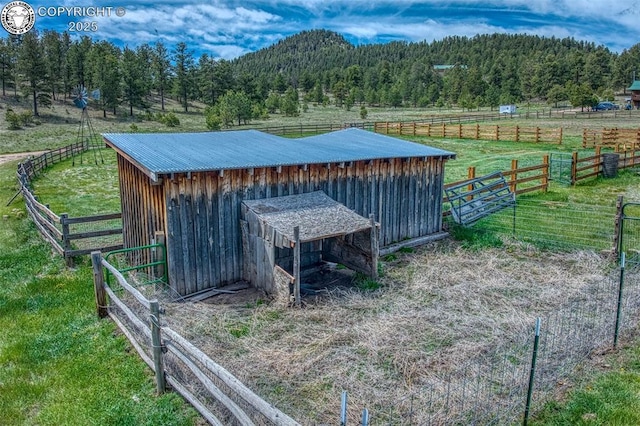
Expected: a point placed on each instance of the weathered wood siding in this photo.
(143, 207)
(204, 239)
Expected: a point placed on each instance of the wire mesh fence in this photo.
(492, 388)
(555, 225)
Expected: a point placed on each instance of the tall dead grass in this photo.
(437, 308)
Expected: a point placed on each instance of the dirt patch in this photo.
(5, 158)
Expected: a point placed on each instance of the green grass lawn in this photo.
(609, 396)
(61, 365)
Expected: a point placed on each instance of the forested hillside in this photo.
(316, 66)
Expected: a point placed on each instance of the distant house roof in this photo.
(165, 153)
(448, 67)
(635, 85)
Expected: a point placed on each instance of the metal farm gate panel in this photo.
(560, 168)
(629, 238)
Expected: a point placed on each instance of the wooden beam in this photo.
(296, 266)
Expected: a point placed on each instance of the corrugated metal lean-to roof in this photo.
(164, 153)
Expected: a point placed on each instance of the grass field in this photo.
(60, 364)
(55, 348)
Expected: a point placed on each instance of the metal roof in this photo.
(164, 153)
(634, 86)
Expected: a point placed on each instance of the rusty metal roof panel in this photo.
(164, 153)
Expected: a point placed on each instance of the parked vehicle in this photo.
(605, 106)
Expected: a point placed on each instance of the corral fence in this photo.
(471, 131)
(219, 396)
(620, 139)
(509, 384)
(69, 236)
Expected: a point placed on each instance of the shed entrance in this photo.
(283, 236)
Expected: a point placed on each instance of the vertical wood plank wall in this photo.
(204, 239)
(143, 208)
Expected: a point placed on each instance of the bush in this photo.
(169, 119)
(13, 120)
(26, 118)
(214, 122)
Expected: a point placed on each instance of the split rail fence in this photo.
(217, 395)
(69, 236)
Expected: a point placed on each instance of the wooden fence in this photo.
(219, 396)
(69, 236)
(593, 165)
(471, 131)
(521, 179)
(619, 139)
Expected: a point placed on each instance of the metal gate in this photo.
(629, 232)
(560, 168)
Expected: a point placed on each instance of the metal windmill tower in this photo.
(86, 133)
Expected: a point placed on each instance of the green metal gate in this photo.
(629, 232)
(560, 168)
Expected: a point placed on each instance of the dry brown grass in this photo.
(437, 308)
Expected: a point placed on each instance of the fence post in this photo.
(156, 343)
(343, 409)
(365, 417)
(98, 284)
(518, 133)
(296, 265)
(160, 270)
(477, 131)
(532, 372)
(471, 174)
(545, 172)
(497, 132)
(619, 309)
(617, 233)
(574, 168)
(66, 243)
(560, 140)
(597, 164)
(513, 185)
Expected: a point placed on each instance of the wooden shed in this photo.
(191, 187)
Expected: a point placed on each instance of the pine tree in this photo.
(161, 70)
(183, 69)
(32, 67)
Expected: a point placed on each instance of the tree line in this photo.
(317, 67)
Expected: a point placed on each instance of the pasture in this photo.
(433, 308)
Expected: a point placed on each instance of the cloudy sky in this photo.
(230, 28)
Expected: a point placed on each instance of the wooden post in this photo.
(477, 131)
(98, 284)
(513, 185)
(596, 164)
(517, 133)
(537, 134)
(156, 342)
(66, 243)
(560, 139)
(459, 131)
(545, 172)
(375, 248)
(159, 254)
(414, 128)
(497, 132)
(574, 168)
(444, 130)
(296, 266)
(471, 174)
(617, 224)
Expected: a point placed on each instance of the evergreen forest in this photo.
(316, 66)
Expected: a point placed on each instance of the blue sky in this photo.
(230, 28)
